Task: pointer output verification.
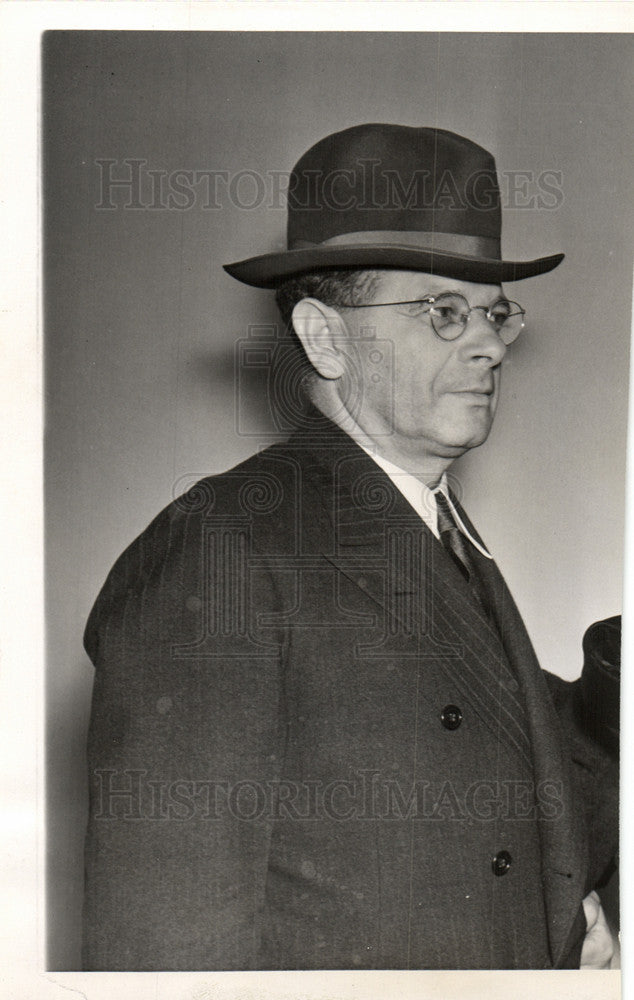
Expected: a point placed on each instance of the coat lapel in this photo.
(427, 609)
(564, 848)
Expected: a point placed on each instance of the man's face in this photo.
(408, 389)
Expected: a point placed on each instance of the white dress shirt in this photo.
(423, 500)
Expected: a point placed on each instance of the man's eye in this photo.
(445, 314)
(500, 314)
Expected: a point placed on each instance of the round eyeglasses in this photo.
(449, 314)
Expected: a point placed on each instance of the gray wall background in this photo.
(141, 321)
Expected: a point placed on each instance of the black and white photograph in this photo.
(336, 345)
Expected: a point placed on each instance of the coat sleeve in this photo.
(184, 748)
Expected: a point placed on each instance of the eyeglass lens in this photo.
(449, 314)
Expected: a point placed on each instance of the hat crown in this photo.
(393, 196)
(381, 177)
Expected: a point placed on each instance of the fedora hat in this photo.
(381, 196)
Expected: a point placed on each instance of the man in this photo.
(320, 737)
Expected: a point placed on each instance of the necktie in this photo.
(459, 548)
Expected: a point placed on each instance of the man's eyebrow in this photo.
(498, 294)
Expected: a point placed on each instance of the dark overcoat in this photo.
(310, 746)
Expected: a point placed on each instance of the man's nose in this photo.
(480, 340)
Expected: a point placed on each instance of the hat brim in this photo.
(270, 270)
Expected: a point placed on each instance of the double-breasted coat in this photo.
(310, 747)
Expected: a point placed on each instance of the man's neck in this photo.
(424, 467)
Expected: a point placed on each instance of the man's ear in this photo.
(320, 330)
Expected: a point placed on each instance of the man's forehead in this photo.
(414, 284)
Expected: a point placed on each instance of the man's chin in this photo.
(462, 427)
(455, 445)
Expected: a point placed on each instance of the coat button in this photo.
(451, 716)
(501, 863)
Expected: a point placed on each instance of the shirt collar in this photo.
(422, 499)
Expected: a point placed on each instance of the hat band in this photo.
(471, 246)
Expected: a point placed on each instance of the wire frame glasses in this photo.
(449, 314)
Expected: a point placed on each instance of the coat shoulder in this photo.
(258, 497)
